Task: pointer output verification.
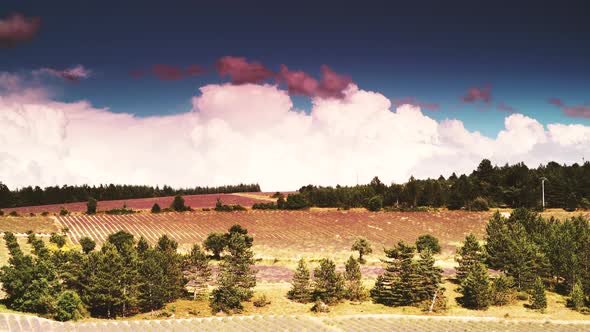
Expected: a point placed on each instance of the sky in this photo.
(309, 92)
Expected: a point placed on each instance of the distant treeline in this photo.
(514, 186)
(29, 196)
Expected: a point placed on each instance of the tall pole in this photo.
(543, 179)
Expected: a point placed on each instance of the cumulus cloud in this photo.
(16, 29)
(414, 101)
(251, 133)
(475, 94)
(74, 74)
(581, 111)
(331, 84)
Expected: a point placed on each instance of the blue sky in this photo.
(428, 50)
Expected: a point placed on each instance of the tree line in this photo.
(486, 187)
(30, 196)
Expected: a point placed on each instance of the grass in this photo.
(23, 224)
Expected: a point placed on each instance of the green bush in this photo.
(296, 202)
(91, 206)
(63, 211)
(156, 208)
(120, 211)
(375, 203)
(58, 239)
(265, 206)
(428, 241)
(1, 213)
(584, 204)
(261, 301)
(479, 204)
(13, 214)
(69, 307)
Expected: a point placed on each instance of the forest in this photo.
(30, 196)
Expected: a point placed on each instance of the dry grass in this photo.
(23, 224)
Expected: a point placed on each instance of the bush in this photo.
(87, 244)
(261, 301)
(91, 206)
(69, 307)
(44, 213)
(156, 208)
(1, 213)
(538, 297)
(63, 211)
(296, 202)
(265, 206)
(120, 211)
(178, 204)
(577, 298)
(375, 203)
(13, 214)
(428, 241)
(503, 291)
(58, 239)
(479, 204)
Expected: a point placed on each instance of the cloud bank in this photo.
(251, 133)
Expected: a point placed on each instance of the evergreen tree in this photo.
(91, 206)
(104, 289)
(178, 204)
(152, 293)
(236, 276)
(156, 208)
(538, 297)
(301, 285)
(69, 307)
(577, 299)
(328, 285)
(470, 254)
(197, 271)
(142, 245)
(502, 290)
(363, 246)
(216, 243)
(171, 264)
(430, 277)
(353, 280)
(87, 244)
(475, 288)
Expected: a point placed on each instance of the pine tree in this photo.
(104, 289)
(156, 208)
(301, 285)
(475, 288)
(538, 298)
(577, 299)
(353, 280)
(171, 264)
(91, 206)
(328, 285)
(468, 255)
(397, 286)
(215, 243)
(363, 246)
(430, 277)
(152, 293)
(236, 276)
(197, 271)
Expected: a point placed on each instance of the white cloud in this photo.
(251, 133)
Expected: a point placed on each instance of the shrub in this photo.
(44, 213)
(503, 291)
(63, 211)
(261, 301)
(238, 207)
(91, 206)
(265, 206)
(156, 208)
(87, 244)
(479, 204)
(375, 203)
(428, 241)
(31, 214)
(13, 214)
(1, 213)
(120, 211)
(58, 239)
(69, 306)
(178, 204)
(296, 202)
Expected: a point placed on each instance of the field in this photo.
(14, 322)
(194, 201)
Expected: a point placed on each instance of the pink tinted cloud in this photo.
(17, 28)
(195, 70)
(331, 85)
(555, 101)
(240, 71)
(413, 101)
(167, 72)
(74, 74)
(475, 94)
(504, 107)
(582, 111)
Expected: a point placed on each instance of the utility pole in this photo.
(543, 179)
